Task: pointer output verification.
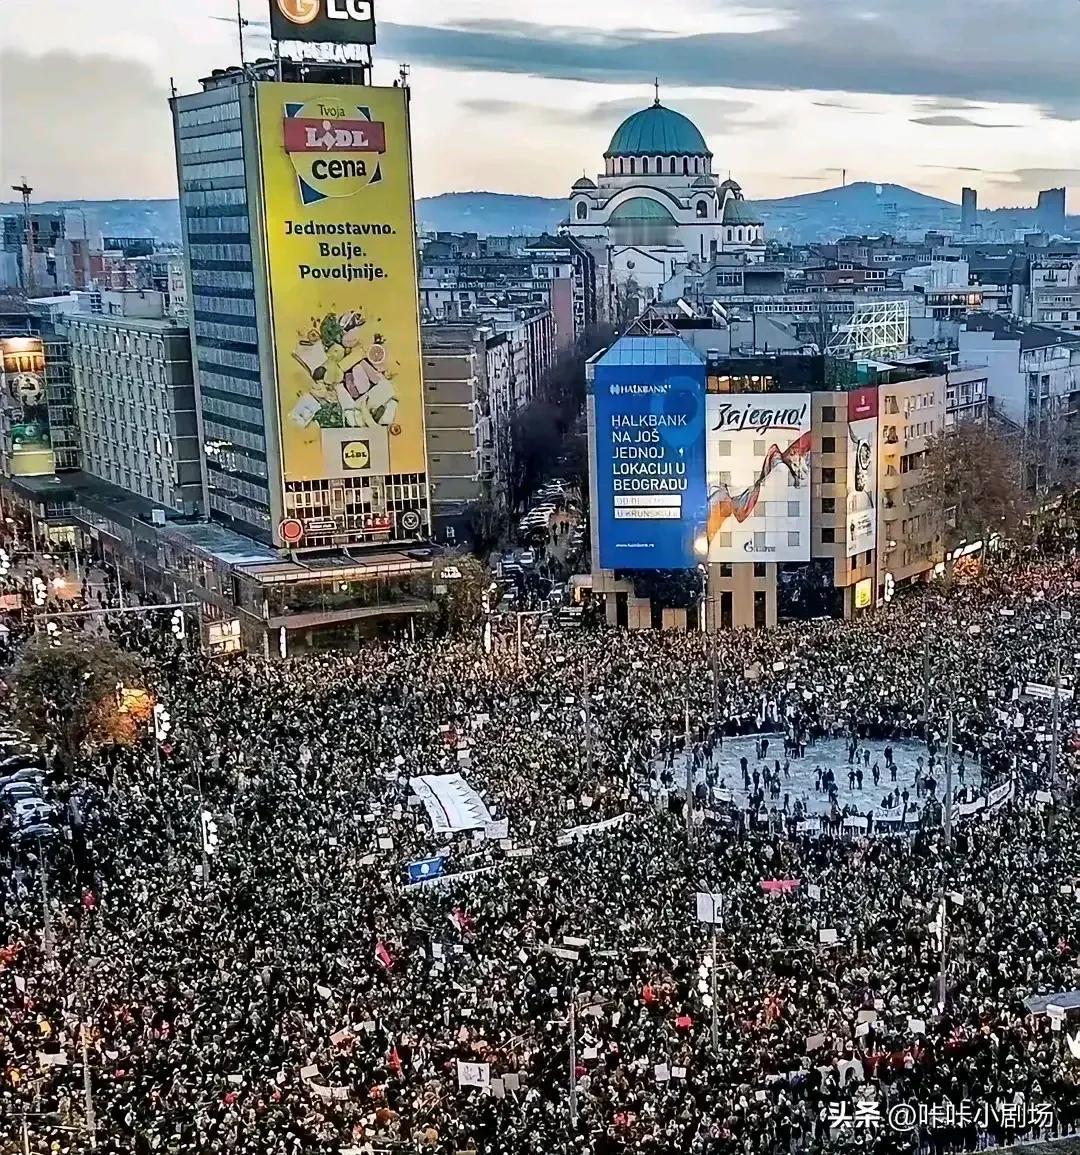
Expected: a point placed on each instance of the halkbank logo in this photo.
(334, 148)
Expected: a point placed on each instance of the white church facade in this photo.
(658, 207)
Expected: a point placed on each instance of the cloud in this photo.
(844, 106)
(953, 167)
(99, 125)
(948, 52)
(711, 114)
(949, 121)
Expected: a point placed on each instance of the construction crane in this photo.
(28, 272)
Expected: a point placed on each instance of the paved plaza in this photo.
(833, 753)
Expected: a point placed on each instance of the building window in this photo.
(725, 569)
(633, 167)
(828, 413)
(738, 234)
(828, 505)
(828, 445)
(671, 166)
(582, 210)
(828, 536)
(702, 209)
(645, 165)
(759, 568)
(828, 477)
(686, 166)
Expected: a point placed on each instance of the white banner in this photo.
(576, 833)
(451, 803)
(474, 1075)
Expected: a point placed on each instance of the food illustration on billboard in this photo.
(862, 471)
(22, 366)
(758, 477)
(650, 446)
(342, 261)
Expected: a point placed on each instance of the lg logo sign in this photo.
(349, 9)
(308, 11)
(323, 20)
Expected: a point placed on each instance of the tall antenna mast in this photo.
(241, 23)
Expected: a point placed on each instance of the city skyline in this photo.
(786, 94)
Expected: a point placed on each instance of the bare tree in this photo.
(975, 479)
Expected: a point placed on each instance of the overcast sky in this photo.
(523, 95)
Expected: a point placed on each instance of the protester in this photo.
(280, 990)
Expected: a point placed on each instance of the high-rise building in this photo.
(1050, 211)
(969, 207)
(296, 207)
(131, 370)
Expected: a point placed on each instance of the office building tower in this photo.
(297, 215)
(969, 207)
(1050, 211)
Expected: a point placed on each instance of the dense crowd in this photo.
(288, 994)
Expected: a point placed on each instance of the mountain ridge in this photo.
(862, 206)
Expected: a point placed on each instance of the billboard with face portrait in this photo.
(758, 455)
(22, 373)
(862, 471)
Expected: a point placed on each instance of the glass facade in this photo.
(214, 205)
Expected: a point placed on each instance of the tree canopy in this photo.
(68, 691)
(975, 479)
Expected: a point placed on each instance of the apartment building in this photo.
(909, 543)
(1033, 381)
(134, 392)
(1055, 292)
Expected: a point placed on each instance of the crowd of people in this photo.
(276, 987)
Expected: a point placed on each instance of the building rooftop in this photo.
(1029, 336)
(650, 351)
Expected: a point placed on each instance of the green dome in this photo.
(642, 209)
(657, 131)
(740, 212)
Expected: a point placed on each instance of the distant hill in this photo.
(860, 199)
(123, 218)
(862, 207)
(495, 214)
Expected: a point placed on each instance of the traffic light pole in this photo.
(104, 613)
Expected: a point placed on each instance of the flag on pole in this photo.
(383, 956)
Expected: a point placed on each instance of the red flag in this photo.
(383, 956)
(394, 1062)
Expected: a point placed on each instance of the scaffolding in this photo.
(876, 329)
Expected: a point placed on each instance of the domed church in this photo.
(658, 207)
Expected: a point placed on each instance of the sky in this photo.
(523, 96)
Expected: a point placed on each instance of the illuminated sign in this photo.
(323, 21)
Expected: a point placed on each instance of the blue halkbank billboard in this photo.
(649, 395)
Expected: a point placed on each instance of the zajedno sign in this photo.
(323, 21)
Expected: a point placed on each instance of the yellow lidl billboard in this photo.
(341, 252)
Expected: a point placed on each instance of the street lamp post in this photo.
(46, 918)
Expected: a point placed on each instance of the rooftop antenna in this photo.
(28, 273)
(403, 75)
(656, 85)
(241, 24)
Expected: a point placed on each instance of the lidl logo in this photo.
(334, 148)
(355, 455)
